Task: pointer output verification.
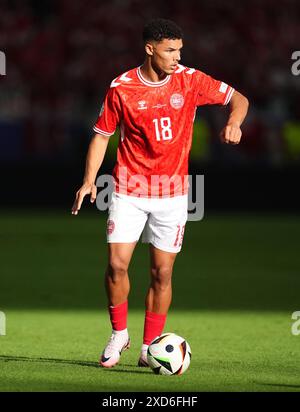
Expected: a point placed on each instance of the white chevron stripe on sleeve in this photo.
(180, 68)
(114, 83)
(191, 71)
(125, 78)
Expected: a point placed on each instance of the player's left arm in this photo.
(238, 106)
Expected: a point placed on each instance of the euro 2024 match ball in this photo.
(169, 354)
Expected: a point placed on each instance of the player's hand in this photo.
(86, 189)
(231, 134)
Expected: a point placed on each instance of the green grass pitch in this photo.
(236, 284)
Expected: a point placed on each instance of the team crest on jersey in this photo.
(177, 101)
(110, 226)
(142, 105)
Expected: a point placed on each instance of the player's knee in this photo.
(161, 277)
(117, 268)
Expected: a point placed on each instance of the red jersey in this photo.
(156, 127)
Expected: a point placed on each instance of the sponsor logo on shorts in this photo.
(110, 226)
(177, 101)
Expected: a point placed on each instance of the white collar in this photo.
(148, 82)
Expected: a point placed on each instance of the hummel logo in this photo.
(142, 105)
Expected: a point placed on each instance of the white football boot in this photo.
(118, 342)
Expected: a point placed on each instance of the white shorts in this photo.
(162, 220)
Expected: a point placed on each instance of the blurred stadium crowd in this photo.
(62, 55)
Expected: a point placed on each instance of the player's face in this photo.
(166, 54)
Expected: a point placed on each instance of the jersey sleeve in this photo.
(211, 91)
(109, 116)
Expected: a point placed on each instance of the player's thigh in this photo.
(165, 226)
(119, 255)
(126, 220)
(161, 262)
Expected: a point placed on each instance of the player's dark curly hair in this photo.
(159, 29)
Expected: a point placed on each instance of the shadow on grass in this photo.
(283, 385)
(7, 358)
(223, 278)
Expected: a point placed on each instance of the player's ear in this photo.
(149, 49)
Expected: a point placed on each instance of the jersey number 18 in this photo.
(163, 129)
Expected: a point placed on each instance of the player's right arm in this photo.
(94, 159)
(108, 120)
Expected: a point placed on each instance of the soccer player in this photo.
(154, 105)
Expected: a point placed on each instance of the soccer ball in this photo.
(169, 354)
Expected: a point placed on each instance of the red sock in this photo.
(154, 325)
(118, 316)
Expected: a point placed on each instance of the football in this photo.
(169, 354)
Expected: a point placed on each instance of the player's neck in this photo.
(151, 74)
